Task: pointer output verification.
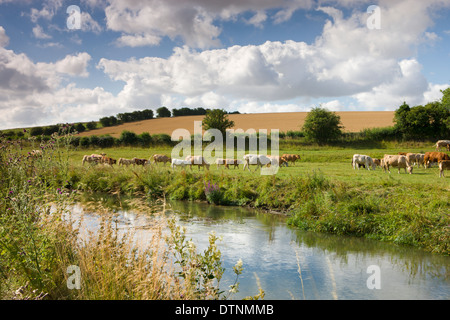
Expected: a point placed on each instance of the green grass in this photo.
(322, 192)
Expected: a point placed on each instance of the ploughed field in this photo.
(288, 121)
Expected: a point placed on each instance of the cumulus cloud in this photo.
(193, 21)
(31, 92)
(4, 39)
(39, 33)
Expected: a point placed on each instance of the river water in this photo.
(293, 264)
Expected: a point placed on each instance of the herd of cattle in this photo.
(406, 161)
(402, 160)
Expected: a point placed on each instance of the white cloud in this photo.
(4, 39)
(39, 33)
(47, 12)
(193, 21)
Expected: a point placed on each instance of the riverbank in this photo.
(373, 205)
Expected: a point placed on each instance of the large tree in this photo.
(163, 112)
(322, 125)
(217, 119)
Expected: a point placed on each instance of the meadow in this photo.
(321, 192)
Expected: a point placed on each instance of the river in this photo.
(295, 264)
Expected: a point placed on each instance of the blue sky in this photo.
(248, 55)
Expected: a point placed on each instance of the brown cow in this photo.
(290, 158)
(161, 158)
(108, 160)
(443, 165)
(433, 156)
(140, 162)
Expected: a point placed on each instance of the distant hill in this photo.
(353, 121)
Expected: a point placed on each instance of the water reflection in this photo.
(291, 263)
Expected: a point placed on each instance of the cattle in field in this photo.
(91, 159)
(431, 157)
(197, 161)
(125, 162)
(411, 157)
(254, 159)
(290, 158)
(361, 159)
(161, 158)
(228, 162)
(140, 162)
(35, 153)
(443, 165)
(377, 162)
(443, 144)
(277, 160)
(108, 160)
(179, 162)
(420, 159)
(398, 161)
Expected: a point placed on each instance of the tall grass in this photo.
(39, 240)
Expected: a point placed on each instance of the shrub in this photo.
(128, 138)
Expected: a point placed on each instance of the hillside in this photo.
(353, 121)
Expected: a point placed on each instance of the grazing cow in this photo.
(125, 162)
(290, 158)
(443, 143)
(108, 160)
(398, 161)
(277, 161)
(420, 159)
(443, 165)
(140, 162)
(412, 158)
(179, 162)
(197, 161)
(228, 162)
(361, 159)
(91, 159)
(161, 158)
(431, 157)
(254, 159)
(377, 162)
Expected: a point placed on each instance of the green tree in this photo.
(322, 125)
(80, 127)
(163, 112)
(217, 119)
(91, 125)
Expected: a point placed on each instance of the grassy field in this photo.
(322, 192)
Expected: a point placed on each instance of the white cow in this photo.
(197, 161)
(442, 143)
(398, 161)
(359, 159)
(180, 162)
(255, 159)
